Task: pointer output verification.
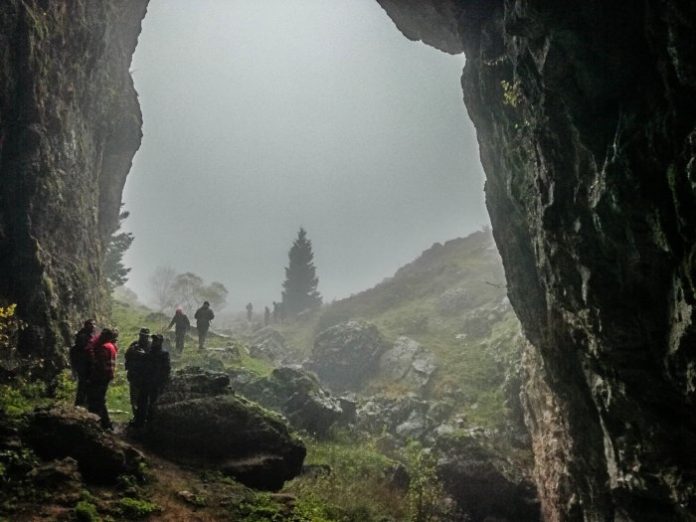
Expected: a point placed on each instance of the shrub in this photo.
(86, 512)
(133, 508)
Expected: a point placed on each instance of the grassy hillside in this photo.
(452, 300)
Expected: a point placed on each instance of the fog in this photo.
(264, 116)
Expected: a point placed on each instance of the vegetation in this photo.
(188, 290)
(300, 287)
(114, 269)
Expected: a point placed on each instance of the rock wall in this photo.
(69, 127)
(585, 116)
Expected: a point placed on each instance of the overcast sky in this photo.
(264, 116)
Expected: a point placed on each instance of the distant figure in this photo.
(157, 370)
(203, 317)
(135, 368)
(266, 316)
(250, 311)
(181, 326)
(276, 312)
(281, 306)
(79, 359)
(103, 367)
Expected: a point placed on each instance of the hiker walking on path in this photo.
(276, 312)
(266, 316)
(204, 315)
(135, 367)
(103, 367)
(181, 326)
(157, 369)
(79, 359)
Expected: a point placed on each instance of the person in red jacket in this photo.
(103, 367)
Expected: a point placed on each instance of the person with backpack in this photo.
(157, 370)
(203, 317)
(135, 367)
(181, 326)
(103, 367)
(79, 359)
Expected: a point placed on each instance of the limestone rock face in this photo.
(585, 119)
(345, 355)
(215, 428)
(69, 126)
(408, 363)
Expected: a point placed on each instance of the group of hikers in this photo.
(147, 363)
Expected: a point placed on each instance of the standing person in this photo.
(266, 316)
(157, 371)
(250, 311)
(276, 312)
(204, 315)
(135, 367)
(103, 362)
(79, 359)
(181, 326)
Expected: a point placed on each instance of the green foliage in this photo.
(85, 511)
(115, 271)
(134, 508)
(425, 492)
(512, 93)
(356, 489)
(22, 397)
(10, 326)
(300, 285)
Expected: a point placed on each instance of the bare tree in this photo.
(187, 290)
(162, 285)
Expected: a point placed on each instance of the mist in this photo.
(261, 117)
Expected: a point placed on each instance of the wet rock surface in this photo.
(70, 120)
(200, 421)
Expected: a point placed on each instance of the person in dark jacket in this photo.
(157, 372)
(135, 367)
(79, 359)
(181, 326)
(103, 367)
(266, 316)
(204, 315)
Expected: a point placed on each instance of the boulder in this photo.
(408, 363)
(268, 343)
(194, 382)
(298, 395)
(60, 432)
(201, 422)
(484, 485)
(346, 355)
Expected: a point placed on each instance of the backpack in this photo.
(79, 355)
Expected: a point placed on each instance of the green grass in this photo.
(357, 488)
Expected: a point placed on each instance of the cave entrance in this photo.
(261, 117)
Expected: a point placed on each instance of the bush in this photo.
(133, 508)
(86, 512)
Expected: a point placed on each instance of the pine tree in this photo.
(300, 286)
(115, 271)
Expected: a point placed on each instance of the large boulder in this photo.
(61, 432)
(268, 343)
(298, 395)
(213, 427)
(408, 363)
(485, 485)
(347, 354)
